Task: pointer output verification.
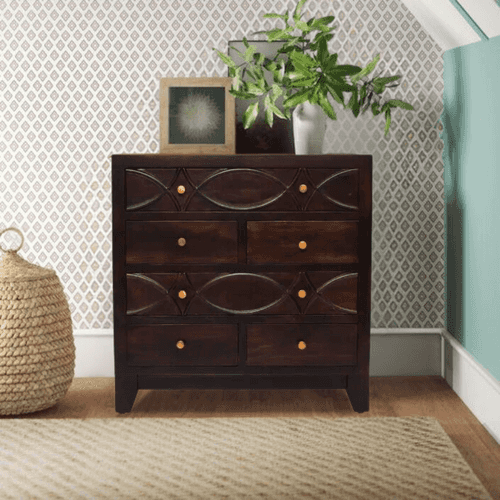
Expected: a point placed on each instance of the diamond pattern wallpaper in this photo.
(79, 81)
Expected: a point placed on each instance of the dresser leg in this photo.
(125, 392)
(358, 390)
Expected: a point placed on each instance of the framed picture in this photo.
(260, 137)
(197, 116)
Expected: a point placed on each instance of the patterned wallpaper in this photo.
(79, 81)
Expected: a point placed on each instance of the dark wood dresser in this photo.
(242, 271)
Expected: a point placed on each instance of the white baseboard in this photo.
(394, 352)
(95, 355)
(475, 385)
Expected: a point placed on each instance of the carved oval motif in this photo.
(342, 188)
(142, 189)
(242, 293)
(341, 292)
(143, 294)
(242, 189)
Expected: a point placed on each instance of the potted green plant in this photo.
(304, 73)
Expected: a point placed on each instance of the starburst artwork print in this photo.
(196, 115)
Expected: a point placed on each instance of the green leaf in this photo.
(336, 93)
(362, 95)
(269, 117)
(331, 63)
(298, 8)
(276, 34)
(298, 98)
(274, 16)
(305, 82)
(387, 79)
(239, 94)
(396, 103)
(249, 52)
(387, 121)
(346, 69)
(340, 84)
(326, 106)
(379, 84)
(236, 75)
(301, 25)
(277, 111)
(323, 52)
(254, 89)
(367, 70)
(375, 109)
(226, 59)
(325, 20)
(318, 25)
(277, 91)
(353, 103)
(250, 115)
(302, 59)
(270, 65)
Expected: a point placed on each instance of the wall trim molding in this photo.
(475, 385)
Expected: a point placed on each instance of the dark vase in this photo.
(260, 138)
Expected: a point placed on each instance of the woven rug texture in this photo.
(386, 458)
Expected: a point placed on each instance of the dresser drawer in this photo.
(182, 345)
(301, 345)
(196, 294)
(183, 242)
(309, 242)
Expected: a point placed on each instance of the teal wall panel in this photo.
(471, 157)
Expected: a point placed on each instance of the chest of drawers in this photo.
(242, 271)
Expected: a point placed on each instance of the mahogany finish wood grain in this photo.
(241, 271)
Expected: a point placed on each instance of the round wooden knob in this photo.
(181, 189)
(180, 344)
(303, 188)
(302, 245)
(302, 294)
(181, 242)
(301, 345)
(182, 294)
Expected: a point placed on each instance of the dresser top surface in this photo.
(241, 160)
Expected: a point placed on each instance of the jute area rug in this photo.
(389, 458)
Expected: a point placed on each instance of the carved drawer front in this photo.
(191, 294)
(242, 188)
(311, 242)
(301, 345)
(181, 242)
(182, 345)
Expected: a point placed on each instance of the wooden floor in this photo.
(389, 397)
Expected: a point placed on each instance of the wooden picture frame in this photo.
(197, 116)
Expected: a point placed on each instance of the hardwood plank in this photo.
(389, 397)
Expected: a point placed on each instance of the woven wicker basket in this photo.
(37, 349)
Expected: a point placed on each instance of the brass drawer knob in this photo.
(303, 188)
(302, 294)
(182, 294)
(181, 242)
(180, 344)
(301, 345)
(302, 245)
(181, 189)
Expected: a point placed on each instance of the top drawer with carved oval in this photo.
(242, 189)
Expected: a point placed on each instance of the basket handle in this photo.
(20, 234)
